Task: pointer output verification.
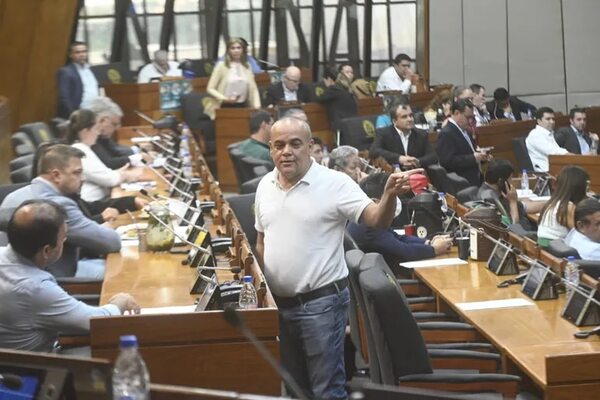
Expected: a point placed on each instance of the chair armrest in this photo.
(432, 316)
(449, 332)
(464, 359)
(74, 285)
(508, 385)
(422, 299)
(590, 267)
(74, 340)
(473, 346)
(414, 287)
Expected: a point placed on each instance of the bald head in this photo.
(290, 124)
(161, 57)
(291, 78)
(36, 224)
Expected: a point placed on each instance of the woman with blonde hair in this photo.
(232, 82)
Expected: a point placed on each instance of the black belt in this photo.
(302, 298)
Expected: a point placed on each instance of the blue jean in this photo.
(312, 345)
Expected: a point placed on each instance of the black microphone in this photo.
(270, 64)
(184, 240)
(203, 204)
(143, 116)
(155, 142)
(236, 320)
(11, 381)
(181, 192)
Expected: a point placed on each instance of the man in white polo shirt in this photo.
(540, 141)
(301, 210)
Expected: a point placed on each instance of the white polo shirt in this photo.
(304, 228)
(390, 80)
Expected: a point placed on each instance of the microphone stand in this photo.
(200, 248)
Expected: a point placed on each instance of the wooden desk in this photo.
(197, 349)
(533, 340)
(591, 163)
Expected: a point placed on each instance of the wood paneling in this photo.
(34, 38)
(6, 155)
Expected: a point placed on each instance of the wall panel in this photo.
(445, 41)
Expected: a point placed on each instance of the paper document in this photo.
(490, 304)
(137, 186)
(399, 231)
(144, 139)
(441, 262)
(168, 310)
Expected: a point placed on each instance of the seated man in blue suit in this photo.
(393, 247)
(59, 179)
(77, 85)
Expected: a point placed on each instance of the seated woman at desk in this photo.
(98, 178)
(232, 82)
(557, 216)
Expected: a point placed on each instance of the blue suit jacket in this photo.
(393, 247)
(70, 90)
(82, 232)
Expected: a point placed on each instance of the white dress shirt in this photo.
(289, 95)
(540, 144)
(404, 138)
(587, 248)
(90, 84)
(98, 179)
(390, 80)
(151, 71)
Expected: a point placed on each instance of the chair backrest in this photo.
(251, 185)
(355, 317)
(399, 345)
(236, 159)
(38, 132)
(22, 144)
(5, 190)
(192, 109)
(468, 194)
(21, 175)
(521, 153)
(444, 181)
(243, 207)
(20, 162)
(357, 132)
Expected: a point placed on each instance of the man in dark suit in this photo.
(401, 143)
(574, 138)
(505, 106)
(456, 149)
(77, 85)
(289, 89)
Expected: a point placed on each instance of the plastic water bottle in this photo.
(248, 298)
(186, 164)
(397, 168)
(130, 375)
(444, 206)
(529, 113)
(524, 181)
(571, 274)
(594, 147)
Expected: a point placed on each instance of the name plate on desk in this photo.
(580, 308)
(503, 261)
(539, 284)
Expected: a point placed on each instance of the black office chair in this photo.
(468, 194)
(560, 249)
(5, 190)
(21, 175)
(245, 167)
(521, 153)
(192, 108)
(20, 162)
(401, 352)
(38, 132)
(251, 185)
(243, 208)
(358, 132)
(22, 144)
(444, 181)
(57, 126)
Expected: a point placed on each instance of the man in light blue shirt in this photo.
(35, 308)
(585, 236)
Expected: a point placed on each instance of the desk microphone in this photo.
(235, 270)
(184, 240)
(155, 142)
(270, 64)
(181, 192)
(11, 381)
(144, 117)
(236, 320)
(203, 204)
